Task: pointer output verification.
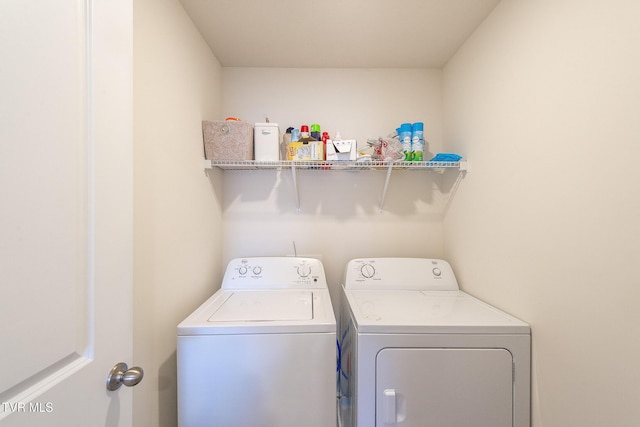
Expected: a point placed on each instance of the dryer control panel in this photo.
(274, 273)
(400, 273)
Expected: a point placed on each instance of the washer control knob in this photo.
(436, 272)
(257, 270)
(368, 271)
(242, 270)
(304, 270)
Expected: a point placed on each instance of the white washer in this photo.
(417, 351)
(262, 350)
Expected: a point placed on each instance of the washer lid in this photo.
(272, 311)
(261, 306)
(412, 311)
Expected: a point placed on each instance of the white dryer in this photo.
(417, 351)
(262, 350)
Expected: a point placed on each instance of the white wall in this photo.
(360, 103)
(544, 100)
(177, 218)
(339, 216)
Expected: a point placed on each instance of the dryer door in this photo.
(451, 387)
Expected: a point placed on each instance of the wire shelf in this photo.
(332, 165)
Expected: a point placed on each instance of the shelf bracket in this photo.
(296, 192)
(386, 186)
(433, 166)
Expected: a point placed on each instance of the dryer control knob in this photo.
(368, 271)
(257, 270)
(304, 270)
(242, 270)
(437, 272)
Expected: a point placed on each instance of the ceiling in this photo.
(336, 33)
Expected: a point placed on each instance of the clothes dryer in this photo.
(262, 350)
(417, 351)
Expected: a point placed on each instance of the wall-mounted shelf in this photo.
(328, 166)
(333, 165)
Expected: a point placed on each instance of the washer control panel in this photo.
(400, 273)
(274, 273)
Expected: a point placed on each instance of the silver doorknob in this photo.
(121, 374)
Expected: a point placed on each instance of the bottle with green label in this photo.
(405, 140)
(417, 142)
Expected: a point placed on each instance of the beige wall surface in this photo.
(544, 100)
(339, 216)
(360, 103)
(177, 214)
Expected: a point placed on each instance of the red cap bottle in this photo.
(325, 138)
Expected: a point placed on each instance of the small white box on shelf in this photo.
(343, 149)
(266, 142)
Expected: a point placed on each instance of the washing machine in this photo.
(261, 351)
(415, 350)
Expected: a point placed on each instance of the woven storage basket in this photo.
(227, 140)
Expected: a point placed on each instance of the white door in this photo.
(452, 387)
(65, 211)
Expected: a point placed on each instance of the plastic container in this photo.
(286, 140)
(266, 142)
(304, 131)
(325, 138)
(315, 132)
